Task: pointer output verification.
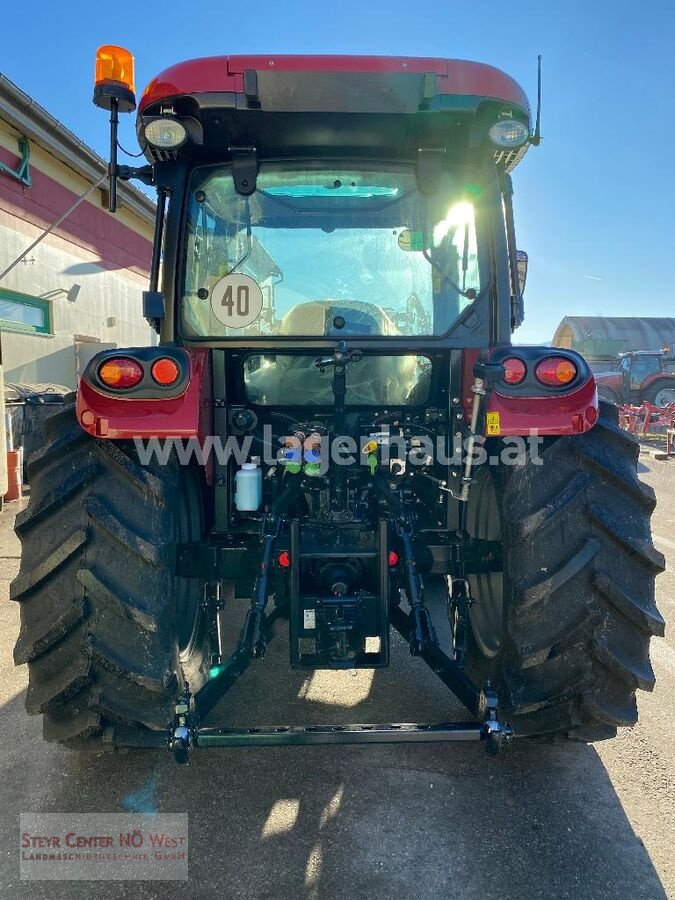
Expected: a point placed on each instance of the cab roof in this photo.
(377, 106)
(237, 74)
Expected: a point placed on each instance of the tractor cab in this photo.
(636, 367)
(378, 188)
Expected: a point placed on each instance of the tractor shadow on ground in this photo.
(409, 821)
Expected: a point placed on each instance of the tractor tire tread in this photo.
(576, 638)
(95, 631)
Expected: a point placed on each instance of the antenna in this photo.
(536, 137)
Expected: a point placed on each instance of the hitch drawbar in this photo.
(186, 734)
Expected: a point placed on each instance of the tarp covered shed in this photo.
(609, 335)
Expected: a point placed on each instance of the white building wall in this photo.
(107, 305)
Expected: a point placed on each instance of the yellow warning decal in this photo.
(493, 424)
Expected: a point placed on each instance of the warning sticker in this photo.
(493, 424)
(236, 300)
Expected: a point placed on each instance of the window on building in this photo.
(19, 312)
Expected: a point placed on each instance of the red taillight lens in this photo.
(555, 371)
(120, 372)
(393, 558)
(515, 370)
(284, 559)
(165, 371)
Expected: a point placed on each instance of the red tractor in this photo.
(641, 375)
(334, 429)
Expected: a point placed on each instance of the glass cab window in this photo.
(328, 252)
(642, 367)
(281, 379)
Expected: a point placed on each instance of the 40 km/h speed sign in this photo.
(236, 301)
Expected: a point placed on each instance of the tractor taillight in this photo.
(393, 558)
(165, 371)
(515, 370)
(120, 372)
(284, 559)
(555, 371)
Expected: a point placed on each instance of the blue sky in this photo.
(595, 203)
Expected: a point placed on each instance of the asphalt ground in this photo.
(404, 821)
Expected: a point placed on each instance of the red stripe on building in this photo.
(117, 245)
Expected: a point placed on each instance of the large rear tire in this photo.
(108, 631)
(605, 393)
(564, 632)
(662, 393)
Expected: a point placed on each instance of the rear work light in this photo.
(165, 371)
(166, 134)
(555, 371)
(509, 133)
(515, 370)
(120, 372)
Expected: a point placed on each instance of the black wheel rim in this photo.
(664, 397)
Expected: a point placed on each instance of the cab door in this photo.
(625, 370)
(641, 369)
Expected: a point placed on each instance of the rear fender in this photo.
(651, 380)
(612, 380)
(149, 410)
(531, 407)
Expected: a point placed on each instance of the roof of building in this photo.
(33, 121)
(636, 332)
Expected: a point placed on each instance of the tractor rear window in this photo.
(285, 378)
(319, 252)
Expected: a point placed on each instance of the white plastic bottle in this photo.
(248, 487)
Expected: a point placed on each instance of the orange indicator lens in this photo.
(555, 371)
(120, 373)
